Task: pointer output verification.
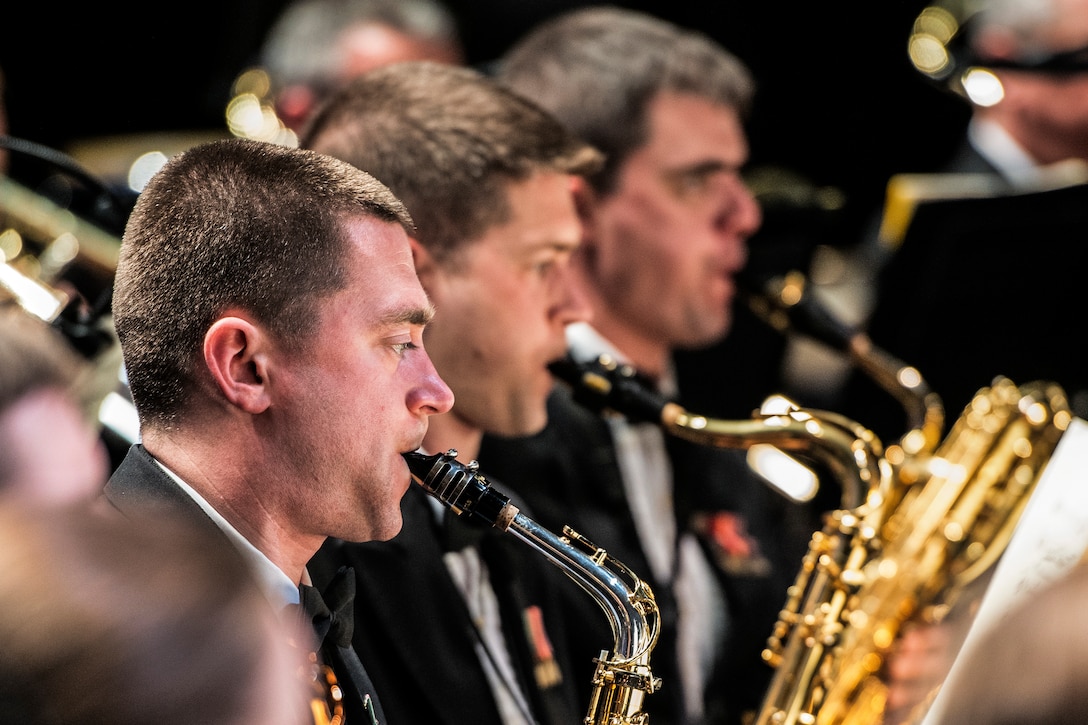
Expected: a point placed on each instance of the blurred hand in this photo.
(916, 667)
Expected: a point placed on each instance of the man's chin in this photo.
(706, 335)
(522, 426)
(389, 528)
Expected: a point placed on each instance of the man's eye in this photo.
(695, 182)
(402, 347)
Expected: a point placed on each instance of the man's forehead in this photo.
(388, 303)
(372, 234)
(542, 218)
(685, 124)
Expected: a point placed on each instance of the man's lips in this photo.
(558, 355)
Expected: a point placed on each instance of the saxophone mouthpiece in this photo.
(604, 384)
(461, 487)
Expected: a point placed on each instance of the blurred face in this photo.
(1046, 112)
(503, 303)
(364, 46)
(359, 394)
(667, 242)
(1054, 111)
(50, 454)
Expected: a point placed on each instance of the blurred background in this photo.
(839, 103)
(839, 110)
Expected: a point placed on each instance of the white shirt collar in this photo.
(1003, 151)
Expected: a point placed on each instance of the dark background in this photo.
(838, 103)
(838, 107)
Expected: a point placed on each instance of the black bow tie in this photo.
(332, 613)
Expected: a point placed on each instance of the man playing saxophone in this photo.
(271, 324)
(666, 224)
(461, 620)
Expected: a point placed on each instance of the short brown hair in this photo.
(597, 69)
(233, 223)
(447, 140)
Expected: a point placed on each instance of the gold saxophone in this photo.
(944, 521)
(918, 522)
(623, 677)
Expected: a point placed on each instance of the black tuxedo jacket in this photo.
(568, 474)
(414, 633)
(139, 487)
(967, 160)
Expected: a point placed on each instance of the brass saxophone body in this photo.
(59, 267)
(948, 528)
(946, 518)
(920, 520)
(623, 676)
(849, 452)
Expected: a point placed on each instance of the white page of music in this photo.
(1051, 537)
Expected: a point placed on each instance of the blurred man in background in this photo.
(108, 622)
(665, 227)
(975, 267)
(315, 46)
(488, 177)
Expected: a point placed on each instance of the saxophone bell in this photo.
(945, 516)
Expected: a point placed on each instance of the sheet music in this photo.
(1051, 537)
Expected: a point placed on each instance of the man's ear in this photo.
(426, 264)
(585, 205)
(236, 353)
